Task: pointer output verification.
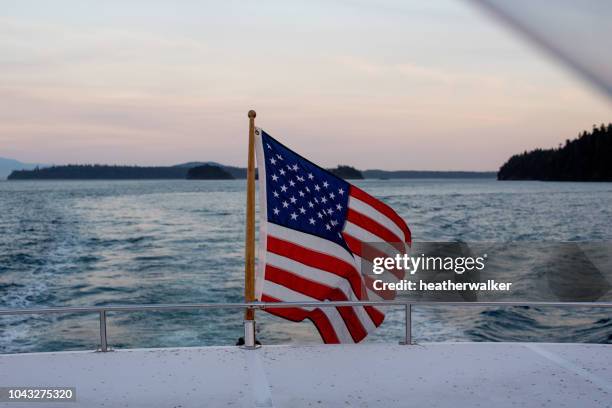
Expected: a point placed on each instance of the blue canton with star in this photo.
(302, 195)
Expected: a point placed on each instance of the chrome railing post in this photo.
(103, 342)
(408, 324)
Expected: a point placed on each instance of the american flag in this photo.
(314, 231)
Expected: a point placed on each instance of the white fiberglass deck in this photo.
(370, 375)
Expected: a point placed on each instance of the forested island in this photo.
(427, 174)
(98, 172)
(586, 158)
(235, 172)
(209, 171)
(347, 172)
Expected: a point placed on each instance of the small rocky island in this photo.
(586, 158)
(347, 172)
(208, 172)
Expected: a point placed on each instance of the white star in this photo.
(279, 157)
(302, 210)
(288, 167)
(268, 144)
(339, 207)
(310, 204)
(283, 188)
(310, 176)
(294, 216)
(319, 214)
(293, 200)
(317, 187)
(272, 161)
(285, 204)
(275, 194)
(332, 195)
(340, 235)
(301, 193)
(282, 172)
(276, 211)
(334, 222)
(316, 200)
(274, 177)
(330, 211)
(327, 226)
(295, 167)
(311, 221)
(300, 178)
(325, 184)
(291, 183)
(341, 191)
(323, 199)
(307, 189)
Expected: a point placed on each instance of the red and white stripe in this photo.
(296, 266)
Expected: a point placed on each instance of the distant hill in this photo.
(208, 172)
(8, 165)
(195, 164)
(411, 174)
(586, 158)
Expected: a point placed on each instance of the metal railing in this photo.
(406, 304)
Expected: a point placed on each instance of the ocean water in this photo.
(77, 243)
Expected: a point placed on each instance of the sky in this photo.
(390, 84)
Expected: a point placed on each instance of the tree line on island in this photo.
(209, 171)
(98, 172)
(586, 158)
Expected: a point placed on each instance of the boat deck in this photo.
(368, 375)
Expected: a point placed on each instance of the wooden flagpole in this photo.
(249, 251)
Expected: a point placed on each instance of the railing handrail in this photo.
(407, 304)
(275, 305)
